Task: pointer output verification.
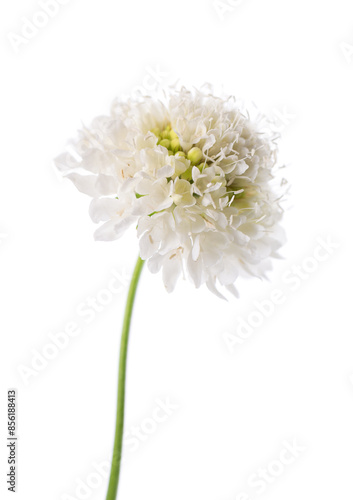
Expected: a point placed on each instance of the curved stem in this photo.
(118, 441)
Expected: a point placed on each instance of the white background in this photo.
(237, 403)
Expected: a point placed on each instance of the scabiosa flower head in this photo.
(194, 174)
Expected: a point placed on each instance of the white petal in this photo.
(166, 171)
(85, 183)
(103, 209)
(113, 229)
(172, 269)
(65, 162)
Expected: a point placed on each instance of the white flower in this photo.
(193, 174)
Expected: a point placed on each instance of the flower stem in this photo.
(118, 441)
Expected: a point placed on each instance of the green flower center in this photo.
(169, 139)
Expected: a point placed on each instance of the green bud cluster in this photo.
(169, 139)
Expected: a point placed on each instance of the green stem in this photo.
(118, 441)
